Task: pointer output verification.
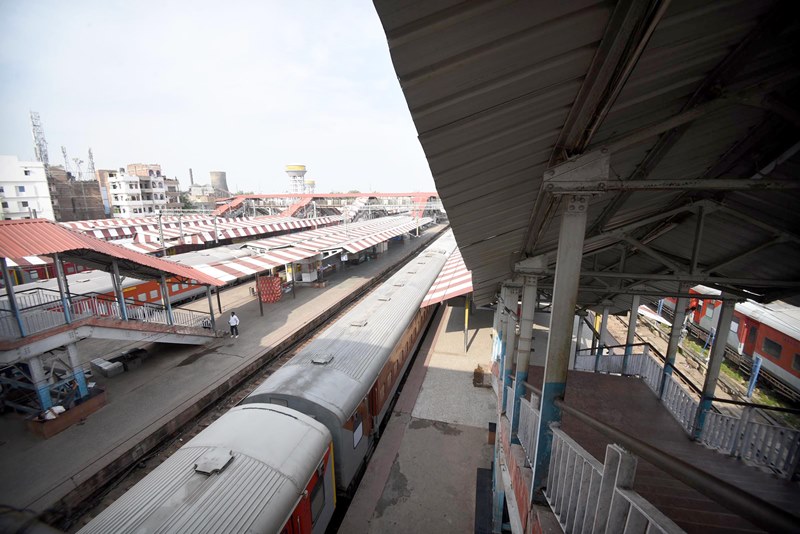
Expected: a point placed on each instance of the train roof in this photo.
(260, 458)
(778, 315)
(337, 369)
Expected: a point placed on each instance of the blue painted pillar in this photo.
(77, 370)
(714, 364)
(631, 339)
(498, 490)
(511, 304)
(524, 349)
(674, 338)
(496, 333)
(660, 306)
(565, 296)
(60, 278)
(40, 382)
(12, 299)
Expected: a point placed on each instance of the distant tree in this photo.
(186, 202)
(354, 191)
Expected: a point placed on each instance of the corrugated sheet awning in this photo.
(454, 280)
(19, 239)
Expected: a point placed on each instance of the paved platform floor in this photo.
(37, 473)
(422, 476)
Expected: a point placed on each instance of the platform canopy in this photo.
(693, 105)
(40, 237)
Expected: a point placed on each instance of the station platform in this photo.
(422, 476)
(172, 385)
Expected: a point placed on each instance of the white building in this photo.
(24, 192)
(133, 196)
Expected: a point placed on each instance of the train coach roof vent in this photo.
(385, 298)
(359, 323)
(400, 283)
(322, 359)
(213, 461)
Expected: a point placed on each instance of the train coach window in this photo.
(796, 362)
(735, 325)
(154, 294)
(772, 349)
(710, 310)
(317, 500)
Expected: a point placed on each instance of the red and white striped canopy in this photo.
(454, 280)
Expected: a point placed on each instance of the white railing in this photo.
(680, 404)
(528, 426)
(509, 407)
(587, 496)
(651, 372)
(610, 363)
(772, 446)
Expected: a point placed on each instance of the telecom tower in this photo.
(39, 142)
(297, 183)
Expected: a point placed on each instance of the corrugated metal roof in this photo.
(41, 237)
(500, 91)
(275, 452)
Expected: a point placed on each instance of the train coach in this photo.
(348, 375)
(258, 468)
(770, 331)
(276, 462)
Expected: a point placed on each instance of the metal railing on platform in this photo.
(49, 314)
(587, 496)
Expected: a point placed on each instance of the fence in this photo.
(773, 446)
(614, 361)
(586, 496)
(50, 314)
(528, 426)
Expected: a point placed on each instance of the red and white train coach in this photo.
(771, 331)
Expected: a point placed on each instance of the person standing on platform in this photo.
(234, 322)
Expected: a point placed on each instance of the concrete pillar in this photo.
(496, 333)
(60, 278)
(501, 337)
(211, 308)
(565, 296)
(674, 338)
(510, 337)
(77, 369)
(714, 364)
(123, 309)
(12, 299)
(165, 300)
(632, 320)
(40, 382)
(525, 345)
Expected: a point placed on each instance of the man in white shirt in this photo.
(234, 322)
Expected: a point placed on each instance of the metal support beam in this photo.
(466, 323)
(666, 262)
(211, 308)
(115, 281)
(677, 184)
(714, 364)
(674, 339)
(510, 336)
(565, 295)
(165, 300)
(688, 278)
(698, 239)
(525, 346)
(604, 329)
(12, 298)
(60, 278)
(740, 256)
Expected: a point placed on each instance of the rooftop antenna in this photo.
(39, 142)
(90, 169)
(78, 172)
(67, 166)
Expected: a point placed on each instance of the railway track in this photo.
(75, 517)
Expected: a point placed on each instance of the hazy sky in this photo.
(241, 86)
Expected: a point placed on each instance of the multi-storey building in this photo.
(140, 191)
(24, 192)
(173, 187)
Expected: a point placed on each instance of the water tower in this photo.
(297, 175)
(311, 185)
